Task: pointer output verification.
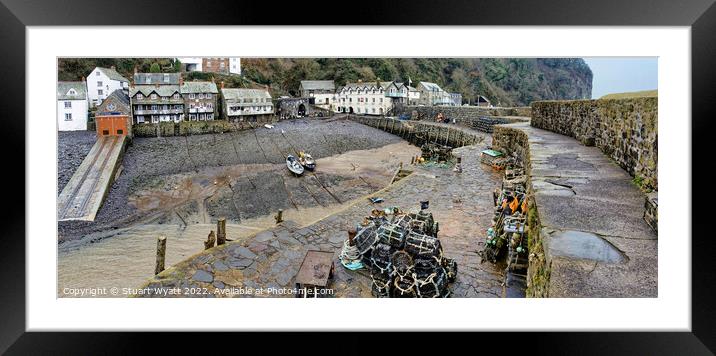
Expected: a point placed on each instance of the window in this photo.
(68, 105)
(105, 132)
(120, 132)
(191, 96)
(154, 96)
(100, 92)
(68, 117)
(210, 106)
(99, 84)
(154, 107)
(140, 119)
(140, 96)
(373, 99)
(97, 73)
(208, 95)
(201, 96)
(176, 95)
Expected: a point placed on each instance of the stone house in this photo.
(432, 94)
(322, 91)
(114, 115)
(252, 105)
(456, 99)
(72, 106)
(101, 82)
(156, 97)
(200, 100)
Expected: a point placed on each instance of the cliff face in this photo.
(505, 81)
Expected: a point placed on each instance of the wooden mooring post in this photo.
(279, 216)
(220, 231)
(161, 254)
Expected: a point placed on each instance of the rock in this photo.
(240, 263)
(264, 236)
(220, 265)
(202, 276)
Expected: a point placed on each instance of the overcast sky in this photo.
(622, 74)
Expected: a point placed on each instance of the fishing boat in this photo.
(293, 165)
(307, 161)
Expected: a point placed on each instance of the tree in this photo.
(154, 68)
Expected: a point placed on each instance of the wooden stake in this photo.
(161, 253)
(220, 231)
(279, 216)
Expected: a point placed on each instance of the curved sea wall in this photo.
(626, 130)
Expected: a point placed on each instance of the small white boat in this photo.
(268, 126)
(293, 165)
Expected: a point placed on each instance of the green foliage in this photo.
(504, 81)
(154, 68)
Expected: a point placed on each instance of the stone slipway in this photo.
(82, 197)
(595, 241)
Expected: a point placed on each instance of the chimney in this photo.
(222, 84)
(135, 69)
(83, 78)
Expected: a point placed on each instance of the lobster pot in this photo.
(391, 235)
(366, 239)
(425, 266)
(422, 223)
(381, 277)
(381, 257)
(422, 245)
(434, 286)
(402, 263)
(404, 287)
(403, 222)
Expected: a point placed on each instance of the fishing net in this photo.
(366, 238)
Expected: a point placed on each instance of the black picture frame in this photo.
(16, 15)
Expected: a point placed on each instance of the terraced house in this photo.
(252, 105)
(200, 100)
(368, 98)
(102, 82)
(156, 97)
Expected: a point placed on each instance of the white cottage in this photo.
(103, 81)
(71, 106)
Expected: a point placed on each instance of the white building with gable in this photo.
(71, 106)
(103, 81)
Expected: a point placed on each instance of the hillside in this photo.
(505, 81)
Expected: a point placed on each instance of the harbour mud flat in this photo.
(246, 167)
(184, 208)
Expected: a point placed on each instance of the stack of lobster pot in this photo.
(405, 257)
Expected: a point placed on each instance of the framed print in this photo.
(443, 167)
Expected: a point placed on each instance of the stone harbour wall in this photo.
(516, 142)
(183, 128)
(419, 133)
(460, 113)
(624, 129)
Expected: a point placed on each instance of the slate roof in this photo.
(198, 87)
(235, 94)
(120, 98)
(63, 89)
(112, 74)
(161, 90)
(371, 84)
(431, 86)
(157, 78)
(318, 85)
